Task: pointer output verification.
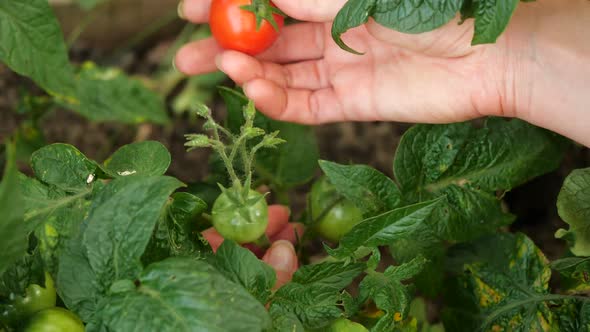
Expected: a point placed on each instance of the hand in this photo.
(539, 70)
(281, 233)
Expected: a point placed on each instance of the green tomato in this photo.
(36, 299)
(54, 320)
(345, 325)
(338, 214)
(240, 222)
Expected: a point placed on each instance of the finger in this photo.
(278, 217)
(213, 237)
(198, 57)
(302, 75)
(291, 232)
(282, 257)
(311, 10)
(297, 42)
(451, 40)
(196, 11)
(297, 105)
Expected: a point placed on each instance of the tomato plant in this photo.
(36, 298)
(333, 215)
(249, 26)
(122, 235)
(240, 221)
(54, 320)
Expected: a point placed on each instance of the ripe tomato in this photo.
(235, 28)
(241, 222)
(54, 320)
(36, 299)
(333, 214)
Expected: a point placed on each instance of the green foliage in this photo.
(138, 159)
(573, 205)
(12, 227)
(491, 16)
(32, 44)
(293, 162)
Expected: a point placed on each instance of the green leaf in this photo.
(289, 164)
(107, 94)
(369, 189)
(576, 268)
(505, 286)
(354, 13)
(384, 228)
(63, 166)
(313, 294)
(143, 158)
(388, 292)
(14, 231)
(183, 294)
(573, 205)
(415, 16)
(241, 266)
(111, 240)
(24, 272)
(32, 44)
(491, 19)
(284, 320)
(120, 224)
(469, 166)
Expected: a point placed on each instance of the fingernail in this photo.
(282, 256)
(180, 10)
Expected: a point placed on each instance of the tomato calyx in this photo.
(263, 11)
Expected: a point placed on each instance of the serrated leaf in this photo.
(182, 295)
(112, 239)
(63, 166)
(353, 14)
(120, 224)
(491, 19)
(107, 94)
(12, 226)
(573, 205)
(241, 266)
(468, 166)
(369, 189)
(489, 281)
(389, 293)
(138, 159)
(32, 44)
(415, 16)
(313, 293)
(384, 228)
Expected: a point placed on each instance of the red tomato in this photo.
(235, 28)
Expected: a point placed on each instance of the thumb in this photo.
(450, 40)
(282, 257)
(311, 10)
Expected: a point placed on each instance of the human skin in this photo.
(538, 70)
(281, 255)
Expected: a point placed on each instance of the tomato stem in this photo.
(264, 11)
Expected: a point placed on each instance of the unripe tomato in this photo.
(36, 299)
(235, 28)
(240, 222)
(333, 214)
(54, 320)
(345, 325)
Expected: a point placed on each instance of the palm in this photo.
(382, 83)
